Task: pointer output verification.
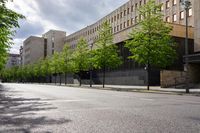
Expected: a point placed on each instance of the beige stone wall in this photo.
(197, 25)
(128, 21)
(56, 37)
(33, 50)
(171, 78)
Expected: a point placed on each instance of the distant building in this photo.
(13, 60)
(35, 48)
(54, 41)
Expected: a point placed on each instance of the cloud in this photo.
(28, 28)
(65, 15)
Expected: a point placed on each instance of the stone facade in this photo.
(125, 18)
(197, 25)
(55, 41)
(33, 50)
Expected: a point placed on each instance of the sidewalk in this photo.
(142, 89)
(153, 89)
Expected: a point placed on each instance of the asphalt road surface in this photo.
(28, 108)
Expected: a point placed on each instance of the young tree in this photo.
(55, 65)
(150, 42)
(81, 57)
(67, 66)
(106, 55)
(8, 21)
(45, 67)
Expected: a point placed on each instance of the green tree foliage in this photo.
(150, 42)
(55, 65)
(67, 61)
(8, 21)
(81, 57)
(106, 55)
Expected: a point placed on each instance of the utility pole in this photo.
(187, 5)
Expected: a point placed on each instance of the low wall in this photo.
(172, 78)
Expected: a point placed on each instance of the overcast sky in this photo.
(66, 15)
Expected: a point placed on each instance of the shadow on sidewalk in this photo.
(19, 114)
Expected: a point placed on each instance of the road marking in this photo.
(69, 100)
(146, 99)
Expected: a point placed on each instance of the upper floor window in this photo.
(124, 12)
(128, 10)
(174, 18)
(131, 8)
(167, 19)
(167, 4)
(190, 12)
(174, 2)
(182, 15)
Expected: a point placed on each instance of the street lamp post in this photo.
(187, 5)
(91, 45)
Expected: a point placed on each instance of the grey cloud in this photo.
(72, 15)
(27, 29)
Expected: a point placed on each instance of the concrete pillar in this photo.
(196, 13)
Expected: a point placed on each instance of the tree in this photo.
(81, 57)
(8, 21)
(55, 65)
(67, 60)
(150, 42)
(45, 67)
(106, 55)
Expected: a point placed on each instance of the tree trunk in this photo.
(148, 76)
(55, 78)
(104, 72)
(65, 78)
(80, 80)
(60, 78)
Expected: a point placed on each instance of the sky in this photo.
(65, 15)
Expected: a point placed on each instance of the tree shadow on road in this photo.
(18, 114)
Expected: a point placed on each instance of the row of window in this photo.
(132, 21)
(181, 16)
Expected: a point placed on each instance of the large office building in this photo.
(124, 19)
(36, 48)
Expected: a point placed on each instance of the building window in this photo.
(120, 26)
(131, 8)
(121, 14)
(117, 16)
(124, 12)
(114, 18)
(128, 11)
(124, 24)
(167, 4)
(174, 2)
(127, 23)
(174, 18)
(114, 29)
(162, 7)
(182, 15)
(117, 27)
(145, 2)
(190, 12)
(140, 3)
(136, 19)
(136, 5)
(132, 21)
(167, 19)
